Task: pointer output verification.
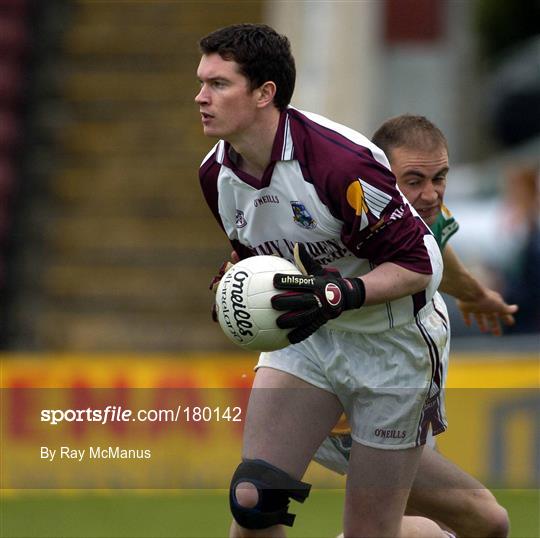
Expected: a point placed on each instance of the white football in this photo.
(243, 304)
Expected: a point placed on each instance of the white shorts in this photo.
(390, 383)
(335, 451)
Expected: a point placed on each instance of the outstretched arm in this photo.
(474, 300)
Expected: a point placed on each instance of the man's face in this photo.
(226, 103)
(421, 177)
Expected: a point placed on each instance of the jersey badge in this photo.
(240, 219)
(302, 216)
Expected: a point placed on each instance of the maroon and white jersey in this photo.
(330, 188)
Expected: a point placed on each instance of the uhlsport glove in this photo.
(314, 297)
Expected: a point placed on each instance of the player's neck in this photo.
(254, 146)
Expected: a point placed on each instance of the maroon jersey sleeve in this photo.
(361, 192)
(378, 224)
(208, 177)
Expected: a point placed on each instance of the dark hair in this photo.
(262, 55)
(408, 131)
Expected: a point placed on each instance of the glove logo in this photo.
(332, 294)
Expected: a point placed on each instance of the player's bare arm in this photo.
(390, 281)
(324, 294)
(476, 301)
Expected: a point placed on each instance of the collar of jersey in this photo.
(282, 150)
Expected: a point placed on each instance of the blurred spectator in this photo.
(513, 95)
(510, 42)
(15, 45)
(523, 226)
(502, 25)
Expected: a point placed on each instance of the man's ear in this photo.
(267, 93)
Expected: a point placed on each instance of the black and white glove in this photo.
(314, 297)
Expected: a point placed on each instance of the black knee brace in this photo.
(274, 488)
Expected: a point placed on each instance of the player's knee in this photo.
(500, 522)
(260, 494)
(247, 495)
(487, 515)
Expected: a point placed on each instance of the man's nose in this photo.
(202, 96)
(429, 193)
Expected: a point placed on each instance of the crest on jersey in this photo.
(364, 199)
(302, 217)
(240, 219)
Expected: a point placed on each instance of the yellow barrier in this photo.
(227, 370)
(492, 406)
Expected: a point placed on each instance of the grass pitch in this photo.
(191, 514)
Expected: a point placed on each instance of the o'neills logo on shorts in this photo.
(390, 434)
(234, 309)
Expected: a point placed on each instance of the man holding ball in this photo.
(376, 347)
(418, 153)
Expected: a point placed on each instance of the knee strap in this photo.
(274, 488)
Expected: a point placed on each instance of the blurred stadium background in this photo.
(107, 248)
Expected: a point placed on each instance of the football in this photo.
(243, 303)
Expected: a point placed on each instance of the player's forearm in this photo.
(389, 282)
(456, 280)
(463, 287)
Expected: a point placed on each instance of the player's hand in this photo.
(313, 298)
(489, 312)
(214, 283)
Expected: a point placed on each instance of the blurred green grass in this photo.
(191, 514)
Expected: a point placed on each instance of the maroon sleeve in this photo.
(208, 176)
(378, 224)
(361, 192)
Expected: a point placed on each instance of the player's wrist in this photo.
(354, 293)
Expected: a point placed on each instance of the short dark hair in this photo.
(262, 54)
(408, 131)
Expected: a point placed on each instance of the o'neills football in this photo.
(243, 303)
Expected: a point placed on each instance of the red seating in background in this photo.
(16, 8)
(14, 34)
(11, 81)
(7, 177)
(14, 48)
(10, 130)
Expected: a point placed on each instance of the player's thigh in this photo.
(441, 489)
(378, 482)
(287, 419)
